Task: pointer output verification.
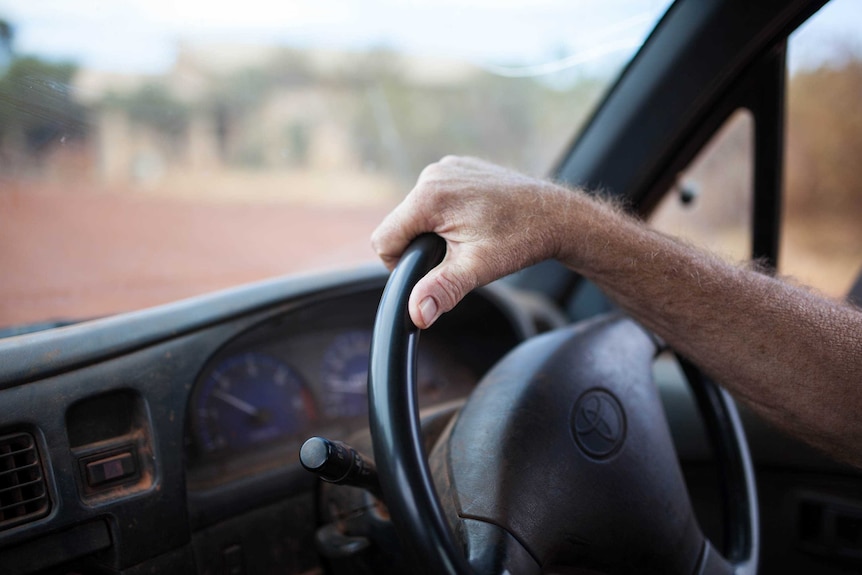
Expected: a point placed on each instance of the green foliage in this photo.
(298, 143)
(36, 103)
(152, 105)
(232, 98)
(241, 91)
(7, 33)
(517, 122)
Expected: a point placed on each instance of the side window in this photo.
(709, 207)
(711, 204)
(821, 242)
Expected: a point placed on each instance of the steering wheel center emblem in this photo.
(598, 424)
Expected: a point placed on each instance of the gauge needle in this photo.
(236, 402)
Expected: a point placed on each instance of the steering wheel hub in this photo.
(598, 424)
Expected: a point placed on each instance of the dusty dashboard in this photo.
(304, 373)
(166, 440)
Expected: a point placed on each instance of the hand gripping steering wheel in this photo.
(561, 458)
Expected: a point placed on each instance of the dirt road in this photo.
(74, 254)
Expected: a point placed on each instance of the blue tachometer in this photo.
(345, 375)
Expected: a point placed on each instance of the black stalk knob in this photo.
(338, 463)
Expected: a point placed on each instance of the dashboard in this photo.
(167, 440)
(305, 373)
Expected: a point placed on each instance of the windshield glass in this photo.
(152, 150)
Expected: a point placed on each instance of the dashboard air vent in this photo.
(23, 491)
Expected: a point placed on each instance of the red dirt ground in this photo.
(77, 254)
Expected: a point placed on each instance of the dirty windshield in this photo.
(152, 150)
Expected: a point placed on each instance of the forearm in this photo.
(792, 355)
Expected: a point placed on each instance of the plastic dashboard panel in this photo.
(304, 373)
(107, 403)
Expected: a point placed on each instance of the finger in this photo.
(439, 291)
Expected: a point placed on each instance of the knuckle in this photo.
(429, 195)
(449, 290)
(383, 235)
(452, 287)
(430, 183)
(429, 172)
(376, 239)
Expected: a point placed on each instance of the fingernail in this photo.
(428, 309)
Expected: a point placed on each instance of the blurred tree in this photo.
(230, 100)
(36, 106)
(152, 105)
(234, 97)
(37, 110)
(513, 121)
(7, 33)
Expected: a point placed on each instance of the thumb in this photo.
(438, 292)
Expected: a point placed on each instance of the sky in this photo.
(142, 36)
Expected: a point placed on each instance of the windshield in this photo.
(152, 150)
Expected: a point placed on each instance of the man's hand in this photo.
(495, 222)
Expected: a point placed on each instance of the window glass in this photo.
(157, 149)
(711, 203)
(822, 226)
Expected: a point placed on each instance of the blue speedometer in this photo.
(249, 399)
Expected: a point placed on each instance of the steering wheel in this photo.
(561, 459)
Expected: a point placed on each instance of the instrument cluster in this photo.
(303, 371)
(314, 383)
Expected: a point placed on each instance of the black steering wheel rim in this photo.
(394, 419)
(405, 475)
